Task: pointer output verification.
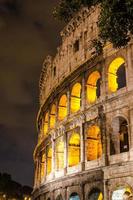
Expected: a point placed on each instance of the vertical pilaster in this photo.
(130, 130)
(83, 94)
(53, 156)
(68, 102)
(65, 153)
(129, 67)
(82, 143)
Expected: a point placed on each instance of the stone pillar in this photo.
(130, 131)
(129, 67)
(65, 153)
(83, 94)
(53, 156)
(82, 148)
(68, 102)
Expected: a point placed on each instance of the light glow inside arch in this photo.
(93, 89)
(59, 153)
(112, 73)
(45, 124)
(93, 143)
(62, 112)
(74, 150)
(52, 116)
(49, 159)
(75, 97)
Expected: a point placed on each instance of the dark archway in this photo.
(74, 196)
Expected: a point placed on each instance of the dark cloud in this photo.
(28, 32)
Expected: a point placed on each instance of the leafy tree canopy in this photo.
(115, 19)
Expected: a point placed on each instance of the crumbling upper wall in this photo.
(76, 49)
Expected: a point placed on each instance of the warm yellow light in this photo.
(94, 145)
(52, 116)
(62, 112)
(43, 170)
(91, 86)
(100, 196)
(75, 97)
(59, 149)
(46, 124)
(112, 73)
(74, 149)
(49, 160)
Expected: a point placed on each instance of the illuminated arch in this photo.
(119, 141)
(62, 112)
(43, 166)
(122, 193)
(45, 128)
(93, 143)
(49, 159)
(52, 116)
(74, 149)
(59, 153)
(75, 97)
(95, 194)
(116, 74)
(74, 196)
(93, 86)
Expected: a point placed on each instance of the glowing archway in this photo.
(93, 86)
(49, 159)
(45, 128)
(95, 194)
(62, 112)
(122, 193)
(59, 153)
(116, 75)
(74, 149)
(52, 116)
(43, 166)
(93, 143)
(75, 97)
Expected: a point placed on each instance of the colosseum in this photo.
(85, 120)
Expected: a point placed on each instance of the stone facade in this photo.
(85, 121)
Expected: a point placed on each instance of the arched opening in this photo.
(123, 193)
(49, 159)
(45, 124)
(59, 197)
(95, 194)
(74, 149)
(93, 143)
(59, 153)
(52, 116)
(62, 112)
(75, 97)
(117, 75)
(93, 87)
(74, 196)
(119, 141)
(43, 166)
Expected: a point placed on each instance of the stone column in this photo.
(65, 153)
(53, 156)
(83, 94)
(129, 67)
(68, 102)
(82, 148)
(130, 131)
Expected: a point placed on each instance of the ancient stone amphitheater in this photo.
(85, 120)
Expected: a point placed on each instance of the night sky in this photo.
(28, 32)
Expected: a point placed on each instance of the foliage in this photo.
(115, 19)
